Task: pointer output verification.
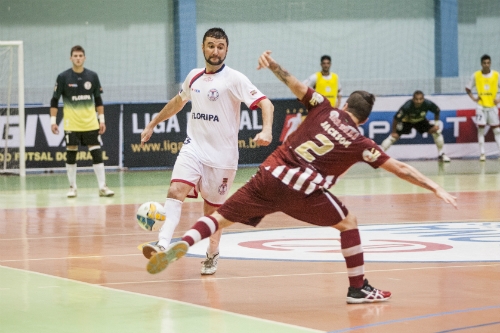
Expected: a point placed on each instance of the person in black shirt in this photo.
(413, 115)
(81, 92)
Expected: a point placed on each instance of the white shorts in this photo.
(487, 116)
(212, 183)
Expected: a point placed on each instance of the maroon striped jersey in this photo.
(322, 149)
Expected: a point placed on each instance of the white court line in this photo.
(291, 275)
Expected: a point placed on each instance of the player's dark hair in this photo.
(326, 57)
(77, 48)
(485, 57)
(418, 92)
(216, 33)
(360, 104)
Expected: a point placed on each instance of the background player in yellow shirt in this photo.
(326, 82)
(487, 83)
(81, 92)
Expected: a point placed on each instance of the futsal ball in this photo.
(151, 216)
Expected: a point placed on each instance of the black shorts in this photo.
(85, 138)
(405, 128)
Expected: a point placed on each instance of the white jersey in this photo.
(214, 123)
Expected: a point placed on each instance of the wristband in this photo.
(101, 118)
(53, 120)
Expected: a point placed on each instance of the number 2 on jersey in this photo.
(303, 149)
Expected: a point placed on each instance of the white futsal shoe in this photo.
(209, 265)
(72, 192)
(106, 192)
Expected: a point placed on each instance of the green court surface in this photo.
(33, 302)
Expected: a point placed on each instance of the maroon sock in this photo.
(205, 227)
(350, 242)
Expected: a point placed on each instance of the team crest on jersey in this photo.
(334, 114)
(213, 95)
(486, 87)
(223, 187)
(87, 85)
(371, 155)
(316, 99)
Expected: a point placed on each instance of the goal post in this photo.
(12, 113)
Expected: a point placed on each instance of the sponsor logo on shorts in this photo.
(223, 187)
(213, 95)
(253, 92)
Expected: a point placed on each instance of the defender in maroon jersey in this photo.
(296, 177)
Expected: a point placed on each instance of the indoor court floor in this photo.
(74, 265)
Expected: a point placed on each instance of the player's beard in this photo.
(215, 63)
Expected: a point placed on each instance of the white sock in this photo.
(496, 132)
(439, 140)
(173, 208)
(388, 142)
(71, 171)
(99, 172)
(480, 139)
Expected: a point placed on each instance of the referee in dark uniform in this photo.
(413, 115)
(81, 92)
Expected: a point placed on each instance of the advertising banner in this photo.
(457, 121)
(47, 150)
(162, 149)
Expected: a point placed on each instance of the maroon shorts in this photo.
(264, 194)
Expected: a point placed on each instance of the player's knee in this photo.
(96, 153)
(71, 156)
(350, 222)
(178, 191)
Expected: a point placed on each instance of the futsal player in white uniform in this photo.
(487, 83)
(208, 159)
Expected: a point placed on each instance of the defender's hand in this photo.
(446, 197)
(265, 60)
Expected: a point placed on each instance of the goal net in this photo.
(12, 146)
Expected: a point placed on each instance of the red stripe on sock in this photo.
(203, 229)
(188, 240)
(348, 239)
(355, 260)
(356, 281)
